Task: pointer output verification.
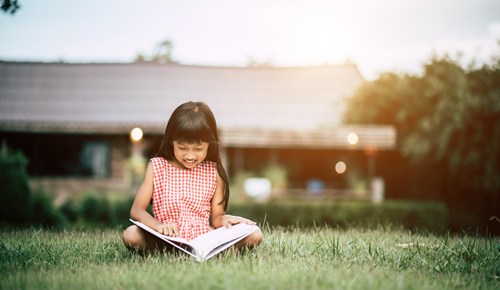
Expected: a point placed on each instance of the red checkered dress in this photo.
(183, 196)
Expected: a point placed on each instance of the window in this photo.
(94, 158)
(52, 155)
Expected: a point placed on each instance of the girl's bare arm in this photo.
(142, 200)
(219, 217)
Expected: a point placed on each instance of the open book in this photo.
(207, 245)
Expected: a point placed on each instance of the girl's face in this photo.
(190, 155)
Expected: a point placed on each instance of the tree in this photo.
(162, 54)
(448, 125)
(15, 190)
(10, 6)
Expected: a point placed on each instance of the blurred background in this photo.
(329, 112)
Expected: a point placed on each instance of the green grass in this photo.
(318, 258)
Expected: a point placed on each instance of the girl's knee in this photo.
(254, 239)
(132, 237)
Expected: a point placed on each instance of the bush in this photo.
(44, 213)
(429, 216)
(70, 210)
(19, 206)
(120, 211)
(95, 209)
(15, 205)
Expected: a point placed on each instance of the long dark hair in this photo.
(194, 122)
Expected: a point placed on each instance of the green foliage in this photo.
(162, 54)
(96, 209)
(120, 211)
(44, 213)
(428, 216)
(70, 210)
(20, 206)
(277, 175)
(291, 258)
(15, 194)
(91, 210)
(10, 6)
(448, 127)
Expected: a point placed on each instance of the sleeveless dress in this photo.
(183, 196)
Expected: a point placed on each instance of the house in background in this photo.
(73, 120)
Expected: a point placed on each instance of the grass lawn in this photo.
(321, 258)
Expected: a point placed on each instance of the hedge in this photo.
(98, 210)
(430, 216)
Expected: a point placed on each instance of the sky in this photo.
(378, 36)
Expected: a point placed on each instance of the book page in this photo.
(217, 240)
(207, 245)
(174, 241)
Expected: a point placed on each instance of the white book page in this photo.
(207, 245)
(174, 241)
(217, 240)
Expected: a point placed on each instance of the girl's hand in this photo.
(229, 220)
(167, 230)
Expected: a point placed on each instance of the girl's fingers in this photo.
(236, 220)
(226, 223)
(175, 231)
(172, 230)
(249, 222)
(168, 230)
(232, 220)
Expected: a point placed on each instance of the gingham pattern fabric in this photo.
(183, 196)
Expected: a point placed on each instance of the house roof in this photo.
(113, 98)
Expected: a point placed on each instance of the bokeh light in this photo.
(340, 167)
(136, 134)
(352, 138)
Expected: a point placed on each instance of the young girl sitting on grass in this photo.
(186, 184)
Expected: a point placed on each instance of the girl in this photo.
(186, 184)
